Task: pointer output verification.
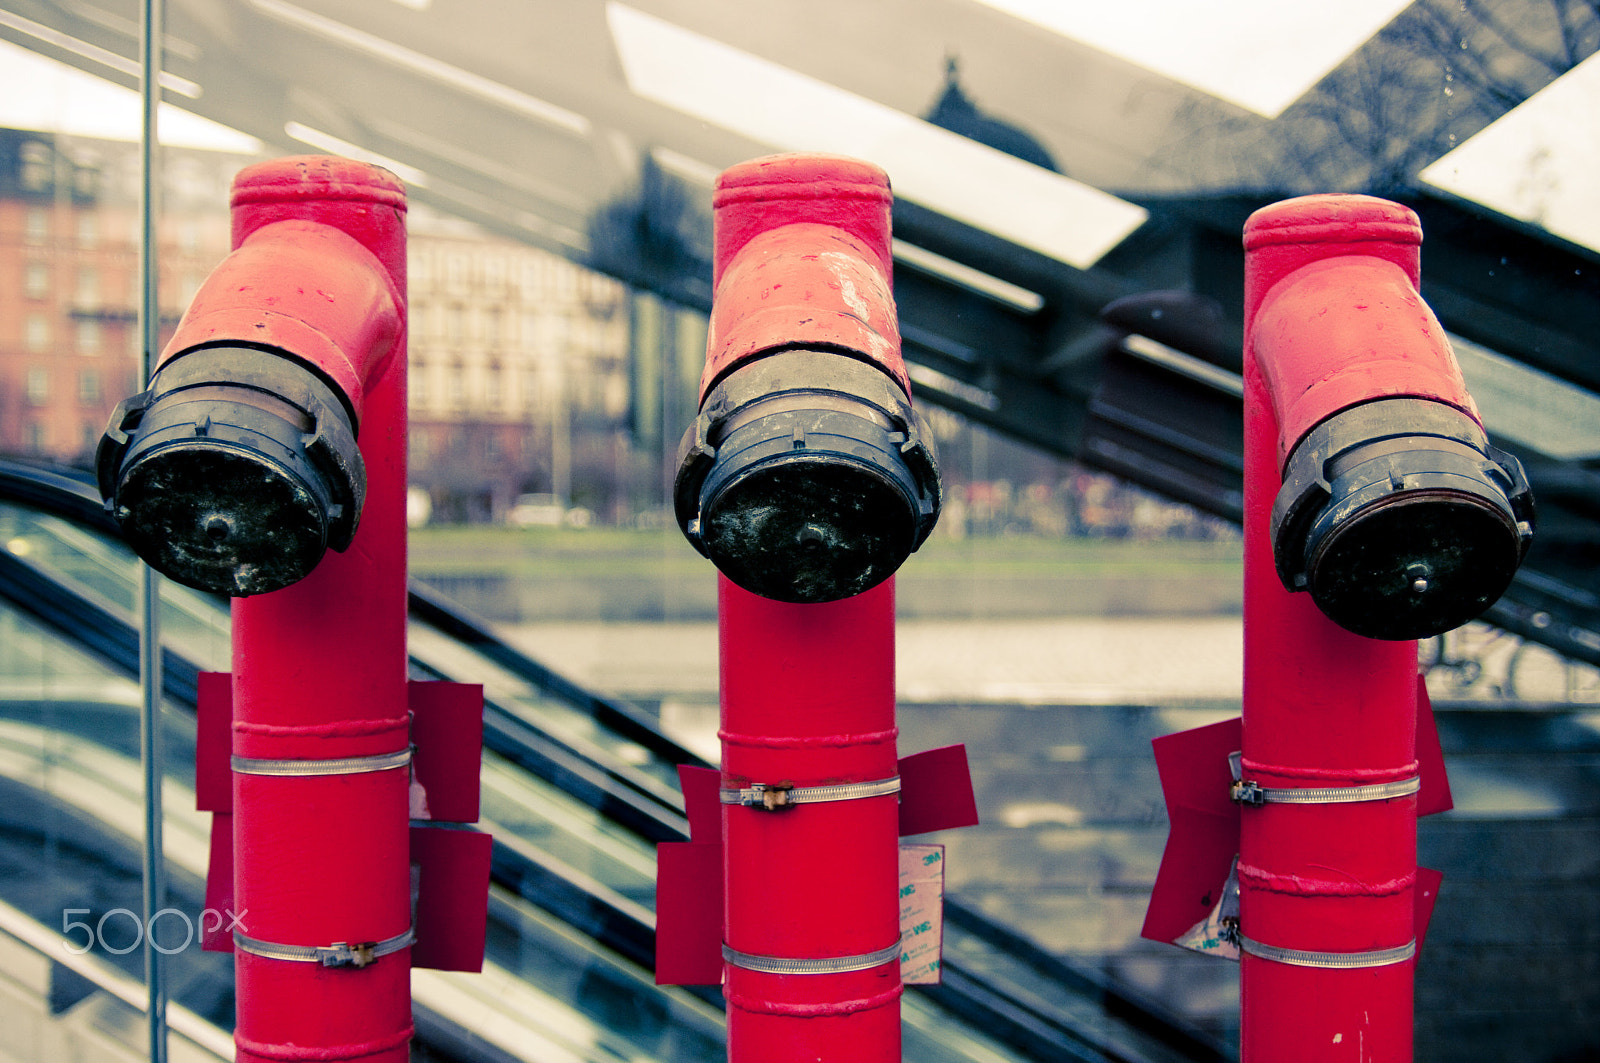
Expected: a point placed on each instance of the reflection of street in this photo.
(1062, 660)
(1170, 661)
(1057, 715)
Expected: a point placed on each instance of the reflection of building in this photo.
(519, 359)
(529, 375)
(956, 112)
(69, 279)
(519, 374)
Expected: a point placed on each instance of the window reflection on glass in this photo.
(38, 385)
(89, 336)
(87, 292)
(36, 226)
(36, 280)
(38, 165)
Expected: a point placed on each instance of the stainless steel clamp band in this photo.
(338, 766)
(826, 965)
(338, 954)
(770, 797)
(1248, 792)
(1337, 960)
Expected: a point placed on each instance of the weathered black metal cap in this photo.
(234, 472)
(807, 477)
(1400, 519)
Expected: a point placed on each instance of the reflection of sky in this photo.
(60, 98)
(790, 111)
(1538, 162)
(1535, 164)
(1260, 54)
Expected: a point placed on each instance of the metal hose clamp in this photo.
(1248, 792)
(824, 965)
(337, 766)
(773, 797)
(338, 954)
(1332, 960)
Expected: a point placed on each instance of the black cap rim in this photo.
(808, 528)
(221, 518)
(1413, 565)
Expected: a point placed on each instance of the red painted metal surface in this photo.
(1332, 319)
(803, 259)
(319, 668)
(808, 699)
(1362, 255)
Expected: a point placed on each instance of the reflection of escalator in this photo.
(576, 792)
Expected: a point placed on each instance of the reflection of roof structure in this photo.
(539, 118)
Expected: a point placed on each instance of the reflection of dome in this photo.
(957, 113)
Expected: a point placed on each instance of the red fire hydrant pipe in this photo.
(803, 260)
(808, 699)
(1332, 320)
(319, 668)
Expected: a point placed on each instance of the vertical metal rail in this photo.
(150, 737)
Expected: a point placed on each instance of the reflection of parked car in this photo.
(536, 510)
(546, 511)
(419, 507)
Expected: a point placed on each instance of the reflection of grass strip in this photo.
(519, 552)
(1019, 555)
(620, 552)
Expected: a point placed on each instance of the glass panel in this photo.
(566, 831)
(1132, 145)
(71, 820)
(69, 730)
(104, 569)
(521, 697)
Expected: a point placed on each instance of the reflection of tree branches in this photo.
(1389, 103)
(1574, 21)
(655, 237)
(1579, 22)
(1205, 149)
(1474, 67)
(1437, 74)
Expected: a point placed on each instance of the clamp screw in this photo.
(1246, 792)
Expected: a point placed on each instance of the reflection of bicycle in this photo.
(1459, 657)
(1483, 662)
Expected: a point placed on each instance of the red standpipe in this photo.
(808, 699)
(802, 260)
(319, 667)
(1332, 320)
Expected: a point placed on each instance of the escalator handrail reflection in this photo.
(91, 624)
(1015, 1022)
(439, 612)
(49, 946)
(61, 490)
